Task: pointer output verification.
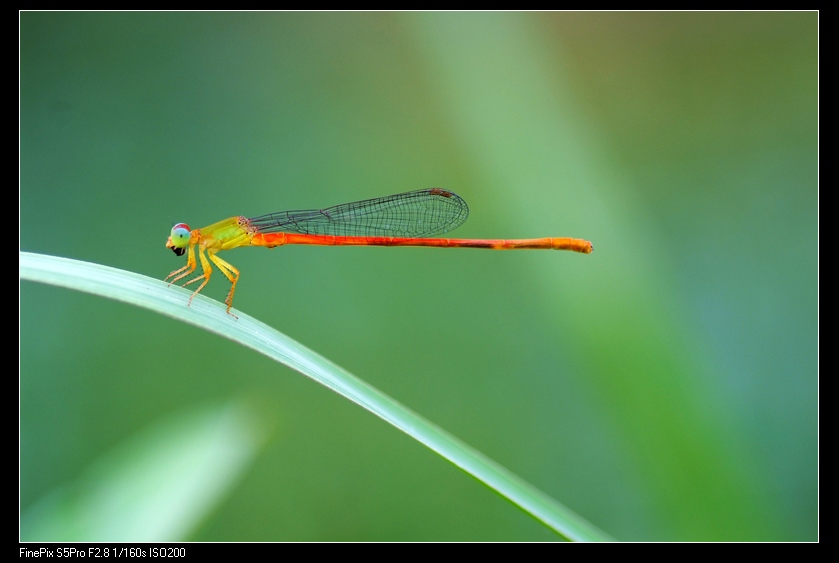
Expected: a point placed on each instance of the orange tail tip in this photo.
(574, 244)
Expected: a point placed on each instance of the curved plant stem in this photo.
(210, 315)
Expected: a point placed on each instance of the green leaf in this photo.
(156, 486)
(208, 314)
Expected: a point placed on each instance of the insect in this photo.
(406, 219)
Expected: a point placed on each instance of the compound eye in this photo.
(180, 235)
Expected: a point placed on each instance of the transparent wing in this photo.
(421, 213)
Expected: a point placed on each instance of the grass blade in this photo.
(153, 294)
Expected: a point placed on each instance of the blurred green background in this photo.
(664, 387)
